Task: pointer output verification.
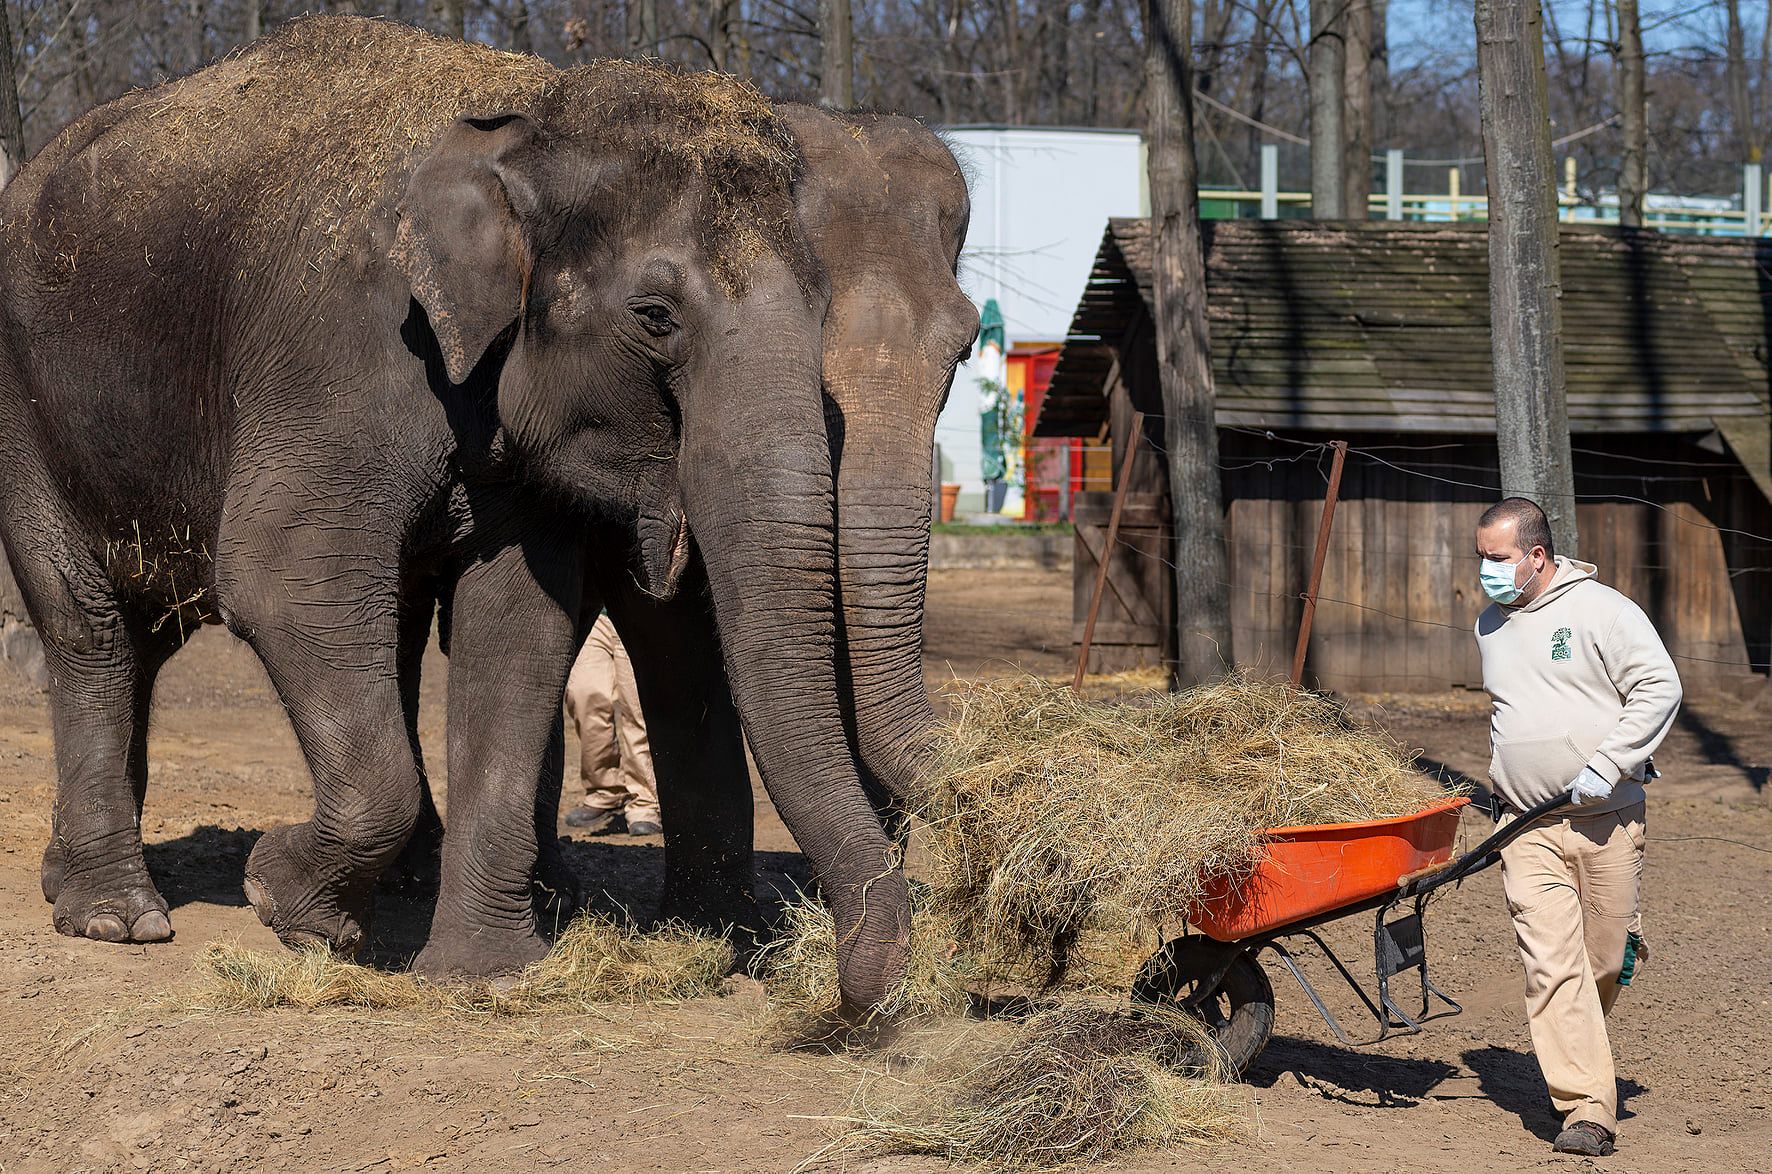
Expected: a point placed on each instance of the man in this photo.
(614, 759)
(1583, 692)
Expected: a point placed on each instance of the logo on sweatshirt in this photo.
(1560, 644)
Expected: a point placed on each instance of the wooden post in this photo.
(1525, 275)
(1316, 583)
(1107, 546)
(1328, 68)
(1184, 350)
(1633, 168)
(1393, 184)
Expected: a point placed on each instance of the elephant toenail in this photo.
(106, 927)
(259, 900)
(152, 926)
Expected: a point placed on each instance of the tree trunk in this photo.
(1525, 283)
(521, 39)
(642, 28)
(1328, 67)
(836, 30)
(452, 15)
(1357, 181)
(1178, 278)
(1382, 121)
(1740, 101)
(12, 128)
(255, 19)
(1633, 168)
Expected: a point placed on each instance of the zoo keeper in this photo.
(1582, 693)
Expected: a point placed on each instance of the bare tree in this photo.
(1525, 279)
(643, 29)
(1328, 68)
(1178, 281)
(836, 28)
(1633, 167)
(255, 19)
(453, 17)
(12, 123)
(1357, 114)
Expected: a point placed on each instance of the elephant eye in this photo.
(655, 317)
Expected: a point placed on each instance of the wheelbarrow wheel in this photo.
(1238, 1010)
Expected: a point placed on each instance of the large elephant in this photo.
(885, 206)
(360, 317)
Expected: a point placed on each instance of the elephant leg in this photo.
(514, 630)
(704, 782)
(328, 630)
(102, 670)
(558, 893)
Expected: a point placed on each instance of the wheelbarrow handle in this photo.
(1484, 854)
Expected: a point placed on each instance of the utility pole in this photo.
(1633, 168)
(12, 124)
(1328, 66)
(1357, 113)
(1525, 280)
(836, 27)
(1184, 357)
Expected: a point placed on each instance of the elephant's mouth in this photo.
(661, 553)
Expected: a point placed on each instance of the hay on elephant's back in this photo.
(1050, 813)
(593, 962)
(311, 126)
(1076, 1082)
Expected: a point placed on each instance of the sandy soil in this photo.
(100, 1071)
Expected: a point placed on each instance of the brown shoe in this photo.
(591, 821)
(1587, 1138)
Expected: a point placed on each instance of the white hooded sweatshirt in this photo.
(1578, 677)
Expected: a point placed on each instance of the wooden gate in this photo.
(1137, 620)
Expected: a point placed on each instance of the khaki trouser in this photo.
(1572, 892)
(614, 758)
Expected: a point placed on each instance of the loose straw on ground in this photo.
(593, 962)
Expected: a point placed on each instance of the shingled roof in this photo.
(1384, 326)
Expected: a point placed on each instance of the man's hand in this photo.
(1588, 786)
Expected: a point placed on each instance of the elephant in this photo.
(885, 206)
(359, 318)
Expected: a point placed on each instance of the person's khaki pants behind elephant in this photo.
(614, 757)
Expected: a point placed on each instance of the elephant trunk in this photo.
(883, 515)
(757, 487)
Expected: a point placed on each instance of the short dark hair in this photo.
(1531, 527)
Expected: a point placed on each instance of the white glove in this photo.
(1589, 786)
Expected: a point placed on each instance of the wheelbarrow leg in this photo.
(1398, 946)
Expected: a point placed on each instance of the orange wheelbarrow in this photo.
(1310, 876)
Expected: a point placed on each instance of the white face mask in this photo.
(1498, 581)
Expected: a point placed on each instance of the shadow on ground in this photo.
(1367, 1079)
(1513, 1082)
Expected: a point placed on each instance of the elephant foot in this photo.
(457, 950)
(131, 911)
(54, 869)
(302, 913)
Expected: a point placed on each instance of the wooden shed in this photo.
(1378, 334)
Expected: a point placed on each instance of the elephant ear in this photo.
(460, 240)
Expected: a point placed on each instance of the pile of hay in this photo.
(1049, 814)
(1075, 1083)
(594, 961)
(798, 969)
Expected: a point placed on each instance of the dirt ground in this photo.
(100, 1070)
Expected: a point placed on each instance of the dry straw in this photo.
(1077, 1082)
(594, 961)
(1050, 814)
